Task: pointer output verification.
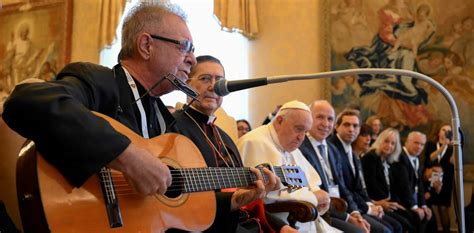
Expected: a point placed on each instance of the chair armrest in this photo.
(299, 211)
(339, 204)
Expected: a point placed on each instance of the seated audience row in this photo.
(338, 169)
(374, 187)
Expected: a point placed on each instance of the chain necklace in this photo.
(212, 144)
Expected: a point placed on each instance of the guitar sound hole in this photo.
(176, 187)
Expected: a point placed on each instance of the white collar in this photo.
(411, 157)
(316, 142)
(275, 139)
(347, 147)
(210, 120)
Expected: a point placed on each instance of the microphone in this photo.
(224, 87)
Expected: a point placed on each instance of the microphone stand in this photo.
(455, 124)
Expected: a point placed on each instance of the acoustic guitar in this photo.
(106, 203)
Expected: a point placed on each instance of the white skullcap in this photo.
(295, 104)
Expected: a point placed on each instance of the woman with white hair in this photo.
(377, 165)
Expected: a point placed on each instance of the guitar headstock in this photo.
(293, 177)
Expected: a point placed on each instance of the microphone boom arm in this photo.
(455, 124)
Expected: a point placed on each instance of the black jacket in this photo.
(406, 181)
(377, 187)
(352, 181)
(57, 116)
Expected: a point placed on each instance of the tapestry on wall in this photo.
(432, 37)
(36, 41)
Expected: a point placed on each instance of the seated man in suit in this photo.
(347, 131)
(195, 121)
(409, 183)
(275, 143)
(324, 157)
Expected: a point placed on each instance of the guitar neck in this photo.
(190, 180)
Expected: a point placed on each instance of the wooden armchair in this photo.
(299, 211)
(337, 204)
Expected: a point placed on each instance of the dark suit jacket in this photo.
(377, 187)
(310, 154)
(405, 182)
(63, 128)
(352, 181)
(90, 143)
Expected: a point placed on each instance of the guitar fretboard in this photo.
(190, 180)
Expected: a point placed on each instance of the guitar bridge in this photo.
(111, 203)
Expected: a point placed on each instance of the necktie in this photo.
(326, 167)
(322, 151)
(415, 166)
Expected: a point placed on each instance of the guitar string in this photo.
(246, 173)
(106, 179)
(125, 190)
(242, 172)
(228, 172)
(178, 183)
(179, 180)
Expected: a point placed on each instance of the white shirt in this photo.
(414, 161)
(415, 164)
(323, 161)
(348, 150)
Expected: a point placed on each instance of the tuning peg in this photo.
(292, 188)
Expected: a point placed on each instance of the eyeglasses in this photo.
(207, 79)
(241, 128)
(185, 46)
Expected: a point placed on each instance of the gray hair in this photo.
(140, 18)
(394, 156)
(318, 102)
(413, 133)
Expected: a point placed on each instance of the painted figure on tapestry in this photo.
(431, 37)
